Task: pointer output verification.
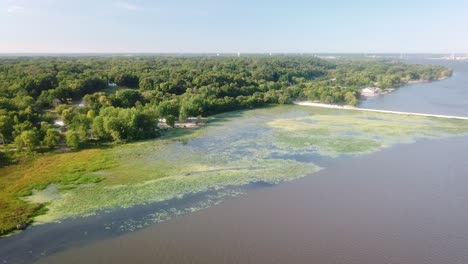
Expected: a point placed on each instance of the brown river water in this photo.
(408, 204)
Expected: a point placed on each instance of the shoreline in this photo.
(349, 107)
(381, 92)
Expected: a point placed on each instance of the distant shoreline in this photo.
(451, 58)
(365, 96)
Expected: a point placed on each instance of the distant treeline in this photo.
(36, 91)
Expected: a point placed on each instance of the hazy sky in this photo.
(400, 26)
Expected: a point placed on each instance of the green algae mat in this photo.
(234, 149)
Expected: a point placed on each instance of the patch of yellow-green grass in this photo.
(68, 170)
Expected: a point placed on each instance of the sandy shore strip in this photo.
(348, 107)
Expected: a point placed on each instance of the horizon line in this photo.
(231, 53)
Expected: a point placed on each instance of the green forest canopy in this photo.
(35, 91)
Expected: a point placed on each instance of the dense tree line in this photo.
(124, 97)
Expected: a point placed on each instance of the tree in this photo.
(114, 128)
(6, 128)
(170, 120)
(96, 100)
(19, 127)
(68, 115)
(146, 84)
(51, 138)
(4, 159)
(90, 85)
(126, 98)
(91, 114)
(46, 99)
(351, 99)
(62, 93)
(191, 106)
(27, 141)
(75, 139)
(167, 108)
(127, 79)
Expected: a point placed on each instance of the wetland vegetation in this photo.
(234, 149)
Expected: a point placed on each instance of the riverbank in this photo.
(390, 90)
(234, 149)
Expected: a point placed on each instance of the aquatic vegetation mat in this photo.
(233, 150)
(350, 132)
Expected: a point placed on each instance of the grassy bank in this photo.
(67, 170)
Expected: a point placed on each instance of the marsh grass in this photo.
(88, 199)
(359, 132)
(67, 170)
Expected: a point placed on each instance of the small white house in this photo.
(370, 90)
(112, 85)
